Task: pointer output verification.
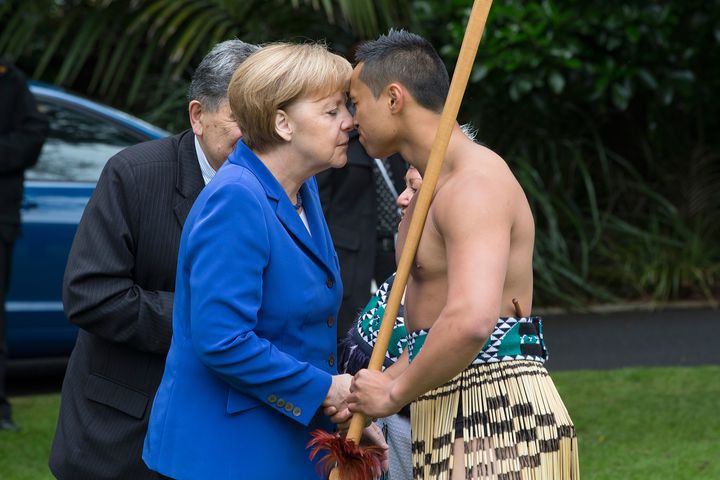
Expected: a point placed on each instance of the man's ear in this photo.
(283, 126)
(395, 97)
(195, 111)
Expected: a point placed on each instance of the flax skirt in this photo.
(514, 426)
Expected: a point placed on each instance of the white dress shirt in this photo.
(207, 171)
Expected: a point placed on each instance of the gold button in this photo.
(288, 407)
(297, 411)
(280, 403)
(272, 398)
(330, 282)
(331, 360)
(330, 321)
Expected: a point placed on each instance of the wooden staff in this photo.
(468, 50)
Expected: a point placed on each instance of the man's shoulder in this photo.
(479, 166)
(479, 182)
(469, 175)
(162, 150)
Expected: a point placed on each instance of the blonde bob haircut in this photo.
(273, 78)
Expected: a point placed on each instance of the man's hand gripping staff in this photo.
(351, 460)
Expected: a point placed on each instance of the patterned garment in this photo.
(358, 345)
(514, 424)
(512, 339)
(366, 329)
(396, 429)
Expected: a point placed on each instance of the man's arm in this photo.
(474, 222)
(99, 291)
(20, 147)
(397, 368)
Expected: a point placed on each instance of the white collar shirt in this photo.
(208, 172)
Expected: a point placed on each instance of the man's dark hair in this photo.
(409, 59)
(211, 78)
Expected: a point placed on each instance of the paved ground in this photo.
(675, 337)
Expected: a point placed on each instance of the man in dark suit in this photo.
(120, 279)
(359, 206)
(22, 133)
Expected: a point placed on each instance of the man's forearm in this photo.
(448, 350)
(397, 368)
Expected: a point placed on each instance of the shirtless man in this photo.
(474, 258)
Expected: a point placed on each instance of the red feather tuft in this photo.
(354, 462)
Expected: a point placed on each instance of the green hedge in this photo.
(607, 113)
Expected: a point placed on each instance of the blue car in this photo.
(83, 136)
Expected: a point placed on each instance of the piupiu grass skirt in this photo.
(509, 415)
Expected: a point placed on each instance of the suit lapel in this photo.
(316, 219)
(314, 245)
(189, 178)
(294, 225)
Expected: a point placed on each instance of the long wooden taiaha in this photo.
(448, 118)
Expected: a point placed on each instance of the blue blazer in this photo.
(253, 346)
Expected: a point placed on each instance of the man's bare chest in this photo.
(430, 259)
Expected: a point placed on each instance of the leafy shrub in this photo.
(606, 112)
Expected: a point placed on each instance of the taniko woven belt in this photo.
(512, 339)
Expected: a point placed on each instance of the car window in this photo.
(78, 144)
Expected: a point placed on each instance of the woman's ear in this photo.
(282, 125)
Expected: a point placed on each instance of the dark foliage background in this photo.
(607, 112)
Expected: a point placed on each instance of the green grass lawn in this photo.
(645, 423)
(24, 454)
(634, 423)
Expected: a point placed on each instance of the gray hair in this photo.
(211, 78)
(470, 131)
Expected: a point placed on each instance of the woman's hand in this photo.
(371, 394)
(335, 403)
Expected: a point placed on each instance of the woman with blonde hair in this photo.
(252, 360)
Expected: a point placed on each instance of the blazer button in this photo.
(297, 411)
(330, 282)
(330, 321)
(272, 398)
(331, 360)
(280, 403)
(289, 406)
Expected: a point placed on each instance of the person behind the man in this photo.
(359, 205)
(120, 279)
(483, 405)
(360, 341)
(22, 133)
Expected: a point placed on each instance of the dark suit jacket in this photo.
(22, 133)
(349, 204)
(118, 289)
